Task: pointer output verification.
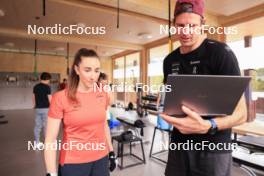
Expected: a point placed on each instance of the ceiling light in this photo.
(145, 36)
(9, 44)
(2, 13)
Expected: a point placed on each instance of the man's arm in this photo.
(227, 64)
(33, 100)
(108, 137)
(238, 117)
(49, 97)
(193, 123)
(49, 94)
(50, 155)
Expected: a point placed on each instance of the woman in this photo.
(82, 110)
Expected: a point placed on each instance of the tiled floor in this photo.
(16, 160)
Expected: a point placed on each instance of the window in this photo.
(252, 58)
(132, 76)
(176, 45)
(126, 73)
(118, 79)
(155, 66)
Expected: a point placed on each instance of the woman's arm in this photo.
(50, 154)
(107, 129)
(108, 137)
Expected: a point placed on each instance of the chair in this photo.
(120, 150)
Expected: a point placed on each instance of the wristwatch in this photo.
(213, 128)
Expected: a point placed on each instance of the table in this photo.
(153, 155)
(252, 128)
(121, 154)
(127, 117)
(253, 136)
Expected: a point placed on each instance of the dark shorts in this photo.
(95, 168)
(198, 163)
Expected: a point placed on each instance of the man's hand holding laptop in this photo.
(193, 123)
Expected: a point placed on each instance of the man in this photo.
(41, 101)
(198, 55)
(103, 79)
(63, 85)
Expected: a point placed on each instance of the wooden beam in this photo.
(157, 43)
(243, 16)
(124, 53)
(69, 38)
(254, 27)
(145, 47)
(212, 19)
(112, 72)
(160, 42)
(109, 9)
(217, 37)
(144, 60)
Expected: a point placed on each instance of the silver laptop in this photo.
(205, 94)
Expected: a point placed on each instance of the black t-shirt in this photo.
(210, 58)
(41, 92)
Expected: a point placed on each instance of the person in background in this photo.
(41, 100)
(103, 79)
(63, 85)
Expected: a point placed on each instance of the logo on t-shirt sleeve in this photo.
(195, 66)
(175, 67)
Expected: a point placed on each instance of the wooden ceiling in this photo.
(136, 16)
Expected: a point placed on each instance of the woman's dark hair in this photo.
(45, 76)
(74, 77)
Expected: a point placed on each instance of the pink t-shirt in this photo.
(84, 137)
